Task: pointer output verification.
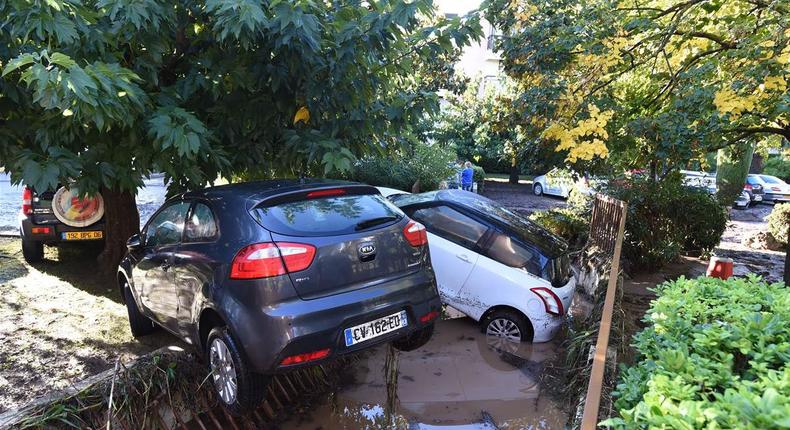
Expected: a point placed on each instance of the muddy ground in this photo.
(58, 324)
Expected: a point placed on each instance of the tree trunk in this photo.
(513, 171)
(757, 163)
(121, 221)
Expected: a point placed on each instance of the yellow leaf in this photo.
(302, 115)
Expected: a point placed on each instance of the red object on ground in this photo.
(720, 267)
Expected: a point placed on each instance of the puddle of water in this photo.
(461, 380)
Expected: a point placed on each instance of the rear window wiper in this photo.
(375, 221)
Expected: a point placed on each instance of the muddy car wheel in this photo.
(140, 324)
(537, 189)
(508, 325)
(414, 340)
(32, 251)
(239, 390)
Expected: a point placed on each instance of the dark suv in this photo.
(264, 277)
(55, 217)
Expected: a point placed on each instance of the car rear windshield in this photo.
(329, 216)
(770, 180)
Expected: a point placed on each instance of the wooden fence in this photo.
(607, 227)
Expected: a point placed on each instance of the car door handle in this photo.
(462, 257)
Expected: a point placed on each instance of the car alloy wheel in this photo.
(223, 371)
(537, 189)
(504, 328)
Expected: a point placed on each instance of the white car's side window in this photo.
(451, 225)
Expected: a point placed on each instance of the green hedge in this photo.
(429, 164)
(666, 218)
(777, 166)
(571, 223)
(778, 222)
(715, 355)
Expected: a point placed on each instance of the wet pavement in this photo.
(461, 379)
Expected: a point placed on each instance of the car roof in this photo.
(256, 191)
(527, 230)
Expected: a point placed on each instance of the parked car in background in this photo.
(754, 188)
(388, 192)
(264, 277)
(494, 265)
(701, 180)
(776, 190)
(57, 217)
(742, 201)
(560, 182)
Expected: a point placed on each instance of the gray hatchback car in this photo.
(264, 277)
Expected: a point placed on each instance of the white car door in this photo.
(452, 238)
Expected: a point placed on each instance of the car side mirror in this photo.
(134, 242)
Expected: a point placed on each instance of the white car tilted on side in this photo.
(494, 265)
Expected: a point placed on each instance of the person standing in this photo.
(467, 176)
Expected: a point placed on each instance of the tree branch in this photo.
(710, 36)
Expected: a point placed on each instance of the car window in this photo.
(327, 216)
(509, 252)
(201, 225)
(770, 180)
(167, 226)
(452, 225)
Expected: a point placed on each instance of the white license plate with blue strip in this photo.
(373, 329)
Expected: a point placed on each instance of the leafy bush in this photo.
(479, 174)
(777, 166)
(665, 218)
(715, 355)
(571, 223)
(429, 164)
(700, 219)
(778, 222)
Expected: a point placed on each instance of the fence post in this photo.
(592, 401)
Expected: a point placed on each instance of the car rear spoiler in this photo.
(317, 193)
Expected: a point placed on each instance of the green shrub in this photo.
(665, 218)
(777, 166)
(700, 219)
(732, 166)
(429, 164)
(778, 222)
(571, 223)
(479, 174)
(715, 355)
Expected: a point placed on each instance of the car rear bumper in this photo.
(55, 233)
(271, 333)
(776, 197)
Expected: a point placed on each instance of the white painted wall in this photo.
(477, 59)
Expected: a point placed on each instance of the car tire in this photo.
(537, 189)
(140, 324)
(508, 324)
(229, 368)
(414, 340)
(32, 251)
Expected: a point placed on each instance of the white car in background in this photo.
(776, 190)
(560, 182)
(494, 265)
(701, 180)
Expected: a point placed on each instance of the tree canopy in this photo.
(104, 92)
(645, 83)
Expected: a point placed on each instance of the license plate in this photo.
(758, 198)
(81, 235)
(378, 327)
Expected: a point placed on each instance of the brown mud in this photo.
(460, 379)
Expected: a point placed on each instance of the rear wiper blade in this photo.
(375, 221)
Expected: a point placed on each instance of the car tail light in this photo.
(27, 201)
(415, 234)
(40, 230)
(775, 189)
(304, 358)
(326, 193)
(264, 260)
(747, 187)
(430, 316)
(551, 302)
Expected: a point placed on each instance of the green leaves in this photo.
(715, 355)
(174, 128)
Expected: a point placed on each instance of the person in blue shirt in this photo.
(466, 177)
